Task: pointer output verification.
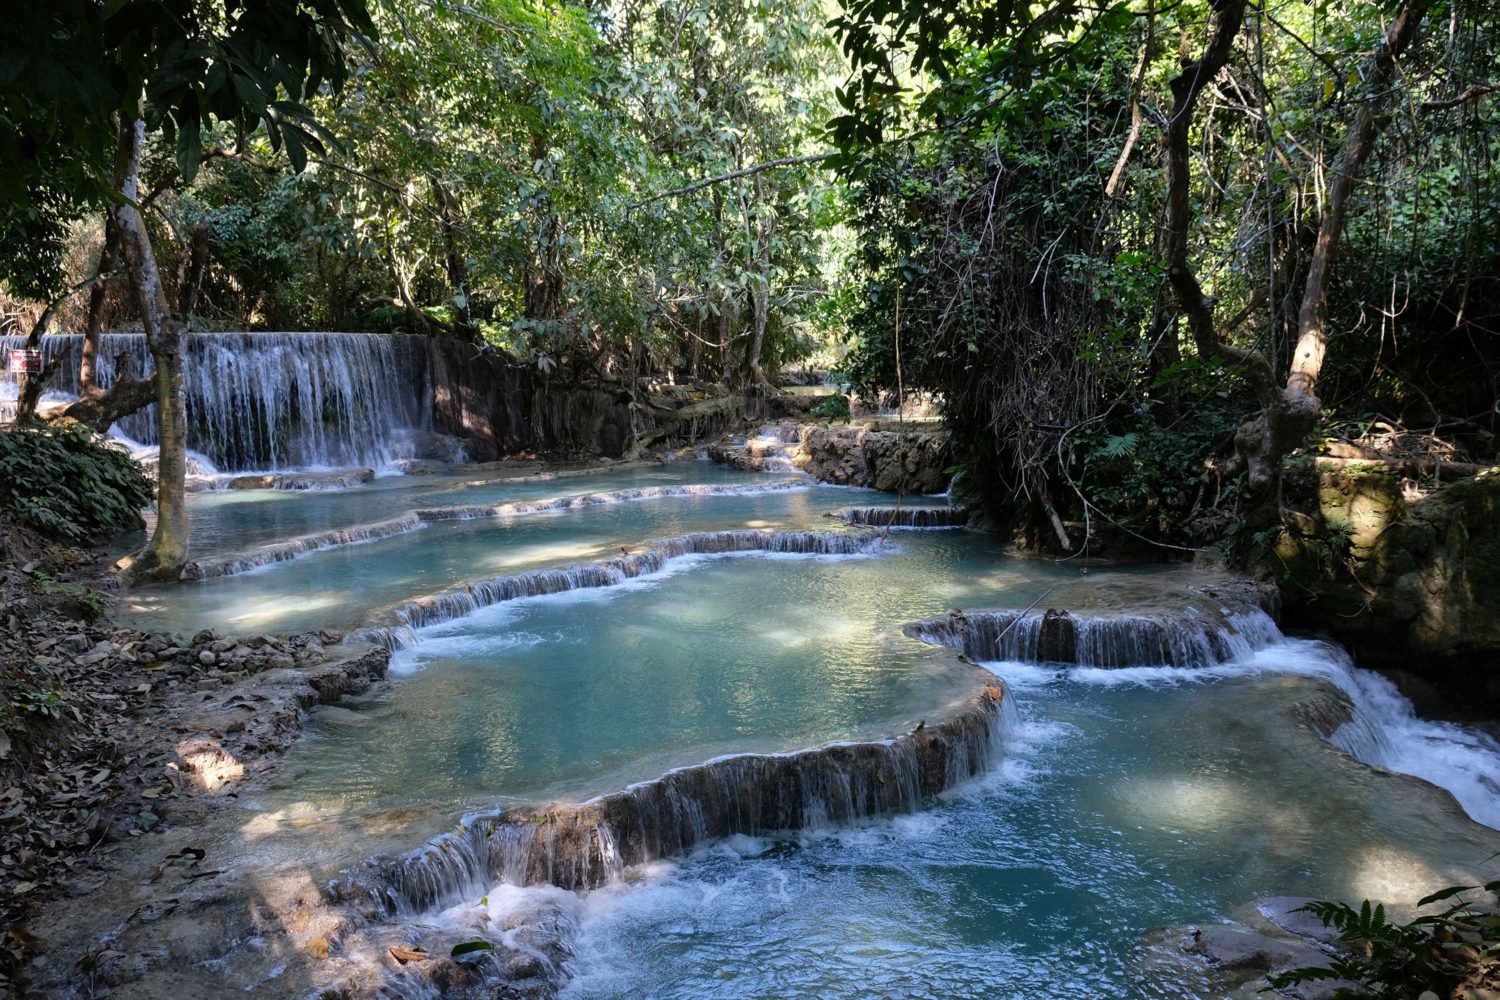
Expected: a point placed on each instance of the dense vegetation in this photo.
(1140, 252)
(68, 485)
(1103, 320)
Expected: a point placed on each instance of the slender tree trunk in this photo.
(1288, 416)
(760, 292)
(544, 283)
(98, 297)
(164, 555)
(457, 266)
(1312, 318)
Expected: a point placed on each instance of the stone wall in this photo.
(1409, 586)
(889, 460)
(481, 396)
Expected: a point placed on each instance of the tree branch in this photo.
(785, 161)
(1472, 94)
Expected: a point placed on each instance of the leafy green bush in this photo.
(1438, 953)
(835, 407)
(68, 484)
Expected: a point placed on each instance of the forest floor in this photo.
(110, 734)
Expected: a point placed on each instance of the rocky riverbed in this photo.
(113, 737)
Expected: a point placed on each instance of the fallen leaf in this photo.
(404, 955)
(469, 947)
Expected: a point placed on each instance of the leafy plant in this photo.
(68, 484)
(835, 407)
(1438, 952)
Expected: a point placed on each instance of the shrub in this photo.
(70, 485)
(1444, 953)
(835, 407)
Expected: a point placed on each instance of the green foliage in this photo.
(26, 701)
(70, 69)
(835, 407)
(1149, 473)
(70, 485)
(1437, 952)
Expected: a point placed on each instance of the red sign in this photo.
(26, 361)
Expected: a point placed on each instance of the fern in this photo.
(1398, 961)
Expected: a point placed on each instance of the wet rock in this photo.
(421, 467)
(429, 446)
(337, 479)
(1233, 948)
(1420, 589)
(1287, 913)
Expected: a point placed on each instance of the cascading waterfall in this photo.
(906, 517)
(774, 448)
(407, 617)
(1192, 637)
(291, 548)
(273, 401)
(591, 843)
(1382, 729)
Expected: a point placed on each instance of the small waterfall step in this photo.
(291, 548)
(586, 845)
(1206, 625)
(906, 517)
(399, 623)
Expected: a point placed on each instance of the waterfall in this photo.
(591, 843)
(404, 619)
(1380, 728)
(1191, 637)
(906, 517)
(273, 401)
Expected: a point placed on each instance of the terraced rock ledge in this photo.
(292, 548)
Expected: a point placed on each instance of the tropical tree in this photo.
(86, 83)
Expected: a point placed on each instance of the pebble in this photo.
(207, 659)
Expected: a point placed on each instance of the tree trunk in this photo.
(1288, 416)
(164, 555)
(98, 297)
(544, 283)
(1312, 334)
(760, 292)
(457, 266)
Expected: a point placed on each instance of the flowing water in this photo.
(740, 621)
(267, 401)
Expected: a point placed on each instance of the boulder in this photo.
(1411, 586)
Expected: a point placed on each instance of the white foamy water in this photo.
(1385, 730)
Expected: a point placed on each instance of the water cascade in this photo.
(589, 844)
(906, 517)
(405, 618)
(1371, 720)
(291, 548)
(1194, 636)
(273, 401)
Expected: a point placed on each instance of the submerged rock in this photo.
(300, 481)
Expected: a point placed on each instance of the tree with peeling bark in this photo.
(85, 78)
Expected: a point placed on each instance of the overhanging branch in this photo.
(785, 161)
